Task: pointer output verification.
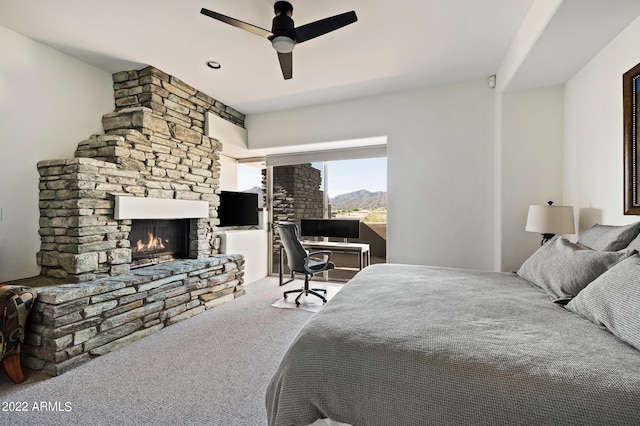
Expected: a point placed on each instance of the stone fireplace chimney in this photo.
(154, 147)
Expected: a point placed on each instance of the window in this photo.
(250, 180)
(354, 189)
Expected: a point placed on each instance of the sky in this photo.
(248, 177)
(343, 176)
(353, 175)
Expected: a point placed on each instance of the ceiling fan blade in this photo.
(323, 26)
(237, 23)
(286, 64)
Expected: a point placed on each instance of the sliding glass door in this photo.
(348, 190)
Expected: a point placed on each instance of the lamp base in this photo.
(546, 237)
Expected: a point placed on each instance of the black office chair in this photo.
(301, 261)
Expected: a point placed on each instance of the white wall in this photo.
(520, 121)
(253, 244)
(593, 169)
(48, 103)
(532, 158)
(228, 173)
(439, 160)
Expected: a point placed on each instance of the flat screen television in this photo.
(238, 209)
(332, 228)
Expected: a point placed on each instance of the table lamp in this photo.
(550, 220)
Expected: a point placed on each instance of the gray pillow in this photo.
(562, 268)
(613, 301)
(635, 244)
(609, 237)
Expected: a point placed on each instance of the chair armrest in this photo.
(319, 265)
(327, 253)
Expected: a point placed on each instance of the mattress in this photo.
(416, 345)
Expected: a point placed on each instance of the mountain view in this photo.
(357, 200)
(361, 199)
(254, 190)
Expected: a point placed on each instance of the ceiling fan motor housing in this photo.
(283, 8)
(282, 24)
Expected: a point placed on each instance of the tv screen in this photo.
(332, 228)
(238, 209)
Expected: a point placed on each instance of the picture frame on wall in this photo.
(631, 91)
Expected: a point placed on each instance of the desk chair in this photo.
(301, 261)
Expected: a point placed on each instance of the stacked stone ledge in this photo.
(80, 240)
(72, 323)
(170, 97)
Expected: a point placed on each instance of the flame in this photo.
(153, 243)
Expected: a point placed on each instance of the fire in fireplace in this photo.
(155, 240)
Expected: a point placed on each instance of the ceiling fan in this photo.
(284, 35)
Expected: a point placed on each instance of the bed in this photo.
(420, 345)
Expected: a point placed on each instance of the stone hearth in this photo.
(72, 323)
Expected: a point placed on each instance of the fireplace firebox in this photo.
(158, 240)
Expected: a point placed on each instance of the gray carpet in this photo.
(212, 369)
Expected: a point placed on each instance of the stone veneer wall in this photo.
(70, 324)
(154, 146)
(296, 195)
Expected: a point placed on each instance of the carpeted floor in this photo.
(212, 369)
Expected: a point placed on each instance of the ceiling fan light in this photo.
(283, 44)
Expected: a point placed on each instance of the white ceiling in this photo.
(395, 45)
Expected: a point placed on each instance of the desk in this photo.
(362, 250)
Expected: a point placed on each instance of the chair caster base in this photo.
(303, 292)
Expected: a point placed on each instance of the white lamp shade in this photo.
(546, 219)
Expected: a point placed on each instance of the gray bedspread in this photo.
(417, 345)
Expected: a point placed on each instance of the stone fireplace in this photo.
(154, 148)
(128, 226)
